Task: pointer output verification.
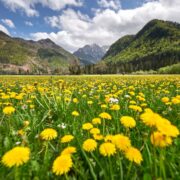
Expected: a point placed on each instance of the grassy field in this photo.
(89, 127)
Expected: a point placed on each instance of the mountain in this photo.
(19, 56)
(90, 54)
(156, 45)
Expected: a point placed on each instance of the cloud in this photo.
(28, 23)
(8, 23)
(3, 29)
(107, 25)
(113, 4)
(28, 6)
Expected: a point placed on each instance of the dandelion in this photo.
(105, 115)
(107, 149)
(96, 121)
(95, 131)
(69, 150)
(8, 110)
(87, 126)
(134, 155)
(62, 164)
(165, 99)
(16, 156)
(115, 107)
(128, 121)
(67, 138)
(89, 145)
(160, 140)
(121, 142)
(135, 108)
(75, 113)
(48, 134)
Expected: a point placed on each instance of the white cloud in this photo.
(28, 6)
(113, 4)
(28, 23)
(8, 23)
(107, 25)
(3, 29)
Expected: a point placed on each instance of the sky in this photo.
(75, 23)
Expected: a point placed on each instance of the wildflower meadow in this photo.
(89, 127)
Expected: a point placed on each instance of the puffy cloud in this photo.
(3, 29)
(8, 23)
(114, 4)
(107, 25)
(28, 23)
(28, 6)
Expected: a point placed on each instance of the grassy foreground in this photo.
(89, 127)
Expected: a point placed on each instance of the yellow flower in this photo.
(62, 164)
(98, 137)
(150, 118)
(89, 145)
(108, 137)
(175, 100)
(115, 107)
(69, 150)
(96, 121)
(67, 138)
(8, 110)
(89, 102)
(75, 100)
(95, 131)
(166, 128)
(160, 140)
(121, 142)
(16, 156)
(87, 126)
(48, 134)
(103, 106)
(105, 115)
(134, 155)
(75, 113)
(135, 108)
(128, 121)
(165, 99)
(107, 149)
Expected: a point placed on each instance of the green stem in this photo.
(110, 168)
(16, 173)
(129, 170)
(162, 167)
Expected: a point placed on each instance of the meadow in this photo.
(89, 127)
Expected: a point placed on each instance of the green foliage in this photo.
(173, 69)
(156, 39)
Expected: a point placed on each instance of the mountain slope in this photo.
(90, 54)
(44, 56)
(156, 45)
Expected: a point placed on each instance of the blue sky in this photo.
(74, 23)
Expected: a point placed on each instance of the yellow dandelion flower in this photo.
(75, 113)
(8, 110)
(105, 115)
(62, 164)
(121, 142)
(87, 126)
(160, 140)
(115, 107)
(48, 134)
(165, 99)
(95, 131)
(67, 138)
(135, 108)
(69, 150)
(128, 121)
(107, 149)
(134, 155)
(108, 137)
(89, 145)
(96, 121)
(16, 156)
(98, 137)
